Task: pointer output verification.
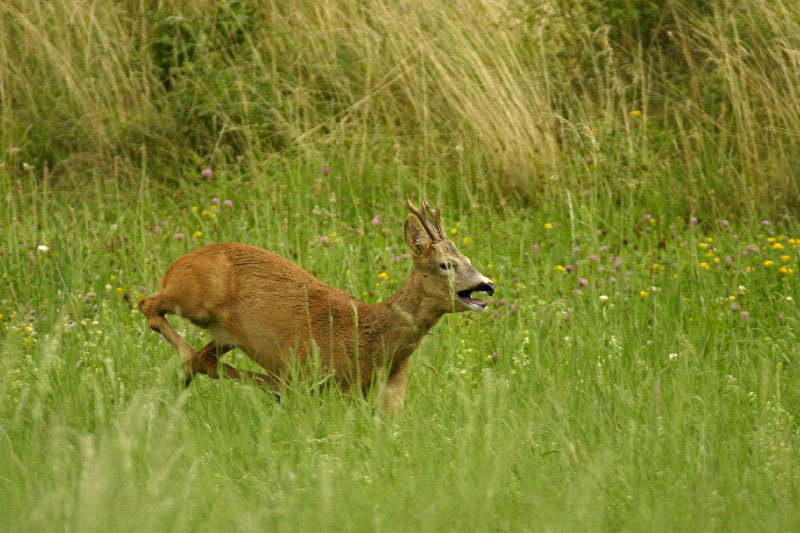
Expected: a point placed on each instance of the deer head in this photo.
(448, 276)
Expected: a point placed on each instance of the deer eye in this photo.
(446, 266)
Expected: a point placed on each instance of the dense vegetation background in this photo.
(619, 97)
(627, 171)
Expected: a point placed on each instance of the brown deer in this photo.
(252, 299)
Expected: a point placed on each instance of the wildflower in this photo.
(493, 357)
(673, 357)
(702, 245)
(180, 236)
(559, 268)
(636, 113)
(42, 248)
(195, 208)
(466, 241)
(777, 246)
(326, 170)
(207, 172)
(765, 222)
(745, 315)
(648, 218)
(215, 201)
(157, 230)
(589, 160)
(724, 223)
(28, 329)
(376, 220)
(324, 239)
(119, 290)
(583, 282)
(569, 269)
(142, 289)
(705, 266)
(228, 203)
(594, 258)
(785, 270)
(768, 263)
(197, 234)
(603, 298)
(548, 225)
(617, 262)
(643, 294)
(693, 221)
(383, 276)
(453, 231)
(786, 258)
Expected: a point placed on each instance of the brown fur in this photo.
(253, 299)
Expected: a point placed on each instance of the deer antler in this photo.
(432, 227)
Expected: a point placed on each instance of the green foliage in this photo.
(172, 86)
(636, 371)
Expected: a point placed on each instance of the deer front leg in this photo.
(396, 387)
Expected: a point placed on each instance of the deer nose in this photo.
(487, 287)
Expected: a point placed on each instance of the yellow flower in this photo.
(195, 208)
(777, 246)
(5, 275)
(383, 276)
(786, 258)
(643, 294)
(705, 266)
(27, 329)
(197, 234)
(548, 225)
(732, 298)
(768, 263)
(709, 239)
(709, 254)
(559, 268)
(466, 241)
(453, 231)
(786, 270)
(119, 290)
(772, 239)
(716, 259)
(702, 245)
(636, 113)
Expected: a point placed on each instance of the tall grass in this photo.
(510, 96)
(626, 175)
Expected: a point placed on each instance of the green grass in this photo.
(659, 407)
(608, 162)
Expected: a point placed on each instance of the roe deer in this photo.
(272, 309)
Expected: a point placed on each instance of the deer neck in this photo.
(404, 318)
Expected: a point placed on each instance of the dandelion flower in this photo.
(636, 113)
(768, 263)
(197, 234)
(705, 266)
(383, 276)
(643, 294)
(549, 225)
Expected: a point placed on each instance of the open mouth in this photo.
(475, 303)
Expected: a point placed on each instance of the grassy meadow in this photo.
(627, 173)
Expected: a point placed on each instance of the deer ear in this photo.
(416, 236)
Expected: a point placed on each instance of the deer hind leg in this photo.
(207, 362)
(154, 308)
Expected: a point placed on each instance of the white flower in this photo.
(673, 357)
(603, 298)
(43, 248)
